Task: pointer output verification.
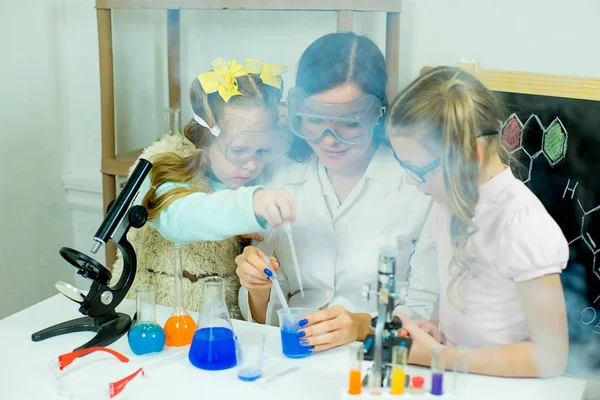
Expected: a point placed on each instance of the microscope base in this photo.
(388, 343)
(109, 328)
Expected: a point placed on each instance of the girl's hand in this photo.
(276, 206)
(422, 342)
(427, 327)
(333, 327)
(250, 269)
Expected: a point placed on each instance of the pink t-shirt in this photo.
(517, 240)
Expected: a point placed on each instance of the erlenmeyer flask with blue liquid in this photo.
(213, 345)
(146, 336)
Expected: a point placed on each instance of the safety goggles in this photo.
(98, 377)
(418, 174)
(241, 140)
(351, 123)
(82, 382)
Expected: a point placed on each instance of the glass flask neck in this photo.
(172, 121)
(145, 304)
(178, 277)
(213, 289)
(214, 312)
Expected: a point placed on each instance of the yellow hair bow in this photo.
(269, 74)
(222, 78)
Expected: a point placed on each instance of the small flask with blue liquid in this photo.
(146, 336)
(213, 346)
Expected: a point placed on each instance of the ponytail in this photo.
(461, 175)
(171, 167)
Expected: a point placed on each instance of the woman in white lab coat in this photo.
(351, 200)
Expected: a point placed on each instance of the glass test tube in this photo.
(438, 365)
(177, 121)
(399, 359)
(168, 122)
(417, 385)
(460, 371)
(356, 358)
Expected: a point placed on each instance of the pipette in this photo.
(288, 231)
(264, 381)
(270, 272)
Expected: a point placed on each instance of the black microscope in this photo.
(101, 300)
(389, 293)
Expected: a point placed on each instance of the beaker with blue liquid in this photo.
(213, 346)
(146, 336)
(289, 327)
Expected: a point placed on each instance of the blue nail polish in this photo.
(268, 272)
(310, 347)
(303, 322)
(303, 342)
(300, 334)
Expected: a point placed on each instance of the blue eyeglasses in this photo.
(418, 174)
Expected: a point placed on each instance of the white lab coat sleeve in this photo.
(424, 286)
(244, 304)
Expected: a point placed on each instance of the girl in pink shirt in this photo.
(499, 252)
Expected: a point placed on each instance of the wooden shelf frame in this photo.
(114, 165)
(280, 5)
(572, 87)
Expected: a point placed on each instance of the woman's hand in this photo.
(429, 328)
(333, 327)
(276, 206)
(250, 269)
(252, 236)
(422, 342)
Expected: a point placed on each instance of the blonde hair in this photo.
(170, 167)
(455, 108)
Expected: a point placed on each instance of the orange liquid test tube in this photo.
(356, 358)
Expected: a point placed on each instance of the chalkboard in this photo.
(556, 142)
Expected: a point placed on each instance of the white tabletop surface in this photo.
(25, 373)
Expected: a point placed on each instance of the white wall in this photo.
(546, 36)
(34, 219)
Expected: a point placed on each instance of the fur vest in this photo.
(205, 258)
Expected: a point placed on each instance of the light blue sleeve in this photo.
(201, 216)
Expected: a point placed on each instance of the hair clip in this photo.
(215, 130)
(222, 78)
(269, 74)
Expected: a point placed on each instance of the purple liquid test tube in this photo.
(437, 384)
(438, 365)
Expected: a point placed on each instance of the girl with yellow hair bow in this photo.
(234, 133)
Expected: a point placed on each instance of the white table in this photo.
(25, 373)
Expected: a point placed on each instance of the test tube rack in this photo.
(407, 395)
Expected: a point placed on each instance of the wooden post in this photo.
(392, 53)
(107, 105)
(344, 21)
(173, 35)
